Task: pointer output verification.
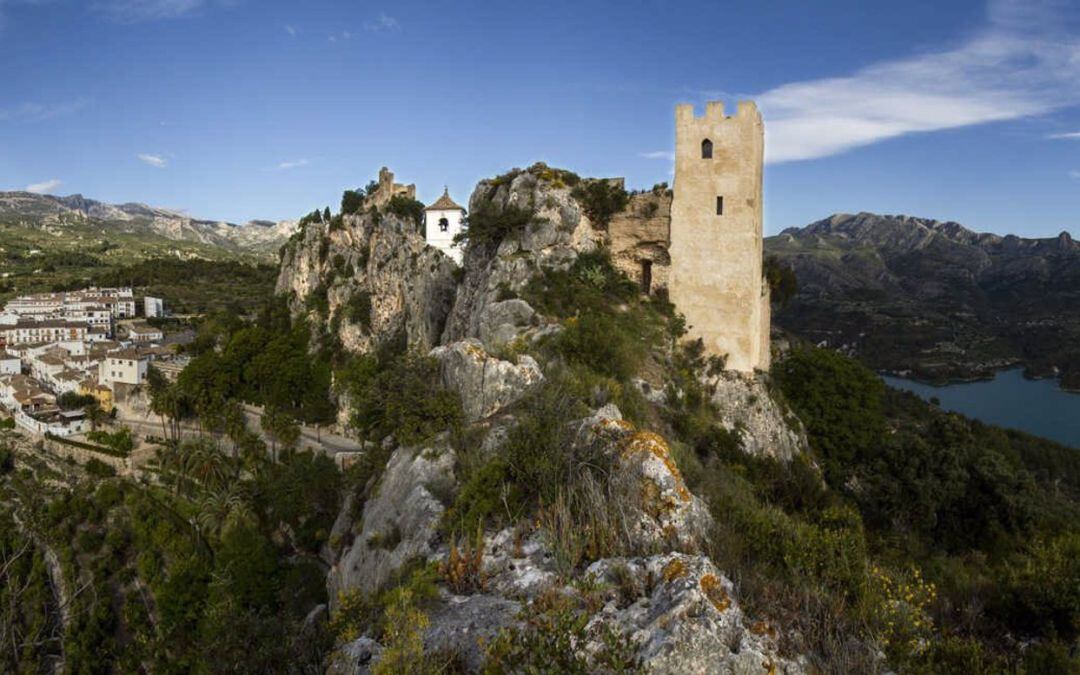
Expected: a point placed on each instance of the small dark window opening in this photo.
(646, 276)
(706, 149)
(444, 224)
(719, 206)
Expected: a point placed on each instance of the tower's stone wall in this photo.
(715, 278)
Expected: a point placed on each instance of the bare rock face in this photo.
(400, 521)
(380, 280)
(486, 384)
(765, 427)
(464, 624)
(501, 322)
(685, 619)
(553, 237)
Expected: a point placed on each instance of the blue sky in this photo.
(239, 109)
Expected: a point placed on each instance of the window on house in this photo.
(646, 276)
(444, 225)
(706, 149)
(719, 206)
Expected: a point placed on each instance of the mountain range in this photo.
(932, 299)
(37, 210)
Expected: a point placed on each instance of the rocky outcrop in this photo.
(683, 616)
(379, 277)
(553, 236)
(400, 521)
(486, 384)
(663, 512)
(764, 426)
(501, 322)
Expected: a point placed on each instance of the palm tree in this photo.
(221, 508)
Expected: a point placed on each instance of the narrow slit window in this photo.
(706, 149)
(719, 206)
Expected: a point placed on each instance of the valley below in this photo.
(933, 300)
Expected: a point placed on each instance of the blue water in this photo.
(1038, 407)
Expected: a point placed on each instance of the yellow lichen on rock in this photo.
(655, 445)
(714, 591)
(676, 569)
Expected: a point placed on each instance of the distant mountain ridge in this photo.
(34, 209)
(933, 298)
(912, 233)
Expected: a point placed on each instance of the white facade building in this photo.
(443, 220)
(44, 330)
(153, 307)
(10, 364)
(141, 332)
(123, 367)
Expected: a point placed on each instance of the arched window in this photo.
(444, 224)
(706, 149)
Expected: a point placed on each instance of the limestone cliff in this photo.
(368, 277)
(554, 233)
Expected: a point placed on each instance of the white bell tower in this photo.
(442, 221)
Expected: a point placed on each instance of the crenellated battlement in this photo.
(686, 113)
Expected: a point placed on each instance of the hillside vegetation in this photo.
(552, 480)
(934, 299)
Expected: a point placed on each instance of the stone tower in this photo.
(716, 245)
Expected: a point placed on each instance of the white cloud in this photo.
(1024, 62)
(1074, 174)
(383, 22)
(658, 154)
(37, 112)
(292, 164)
(44, 187)
(290, 30)
(1070, 136)
(134, 11)
(156, 161)
(343, 35)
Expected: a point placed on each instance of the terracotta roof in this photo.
(444, 203)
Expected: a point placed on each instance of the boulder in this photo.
(684, 617)
(501, 322)
(665, 513)
(463, 625)
(486, 384)
(355, 658)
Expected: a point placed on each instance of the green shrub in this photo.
(407, 209)
(358, 309)
(352, 201)
(840, 403)
(487, 225)
(99, 469)
(551, 639)
(781, 279)
(394, 395)
(603, 343)
(488, 497)
(601, 200)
